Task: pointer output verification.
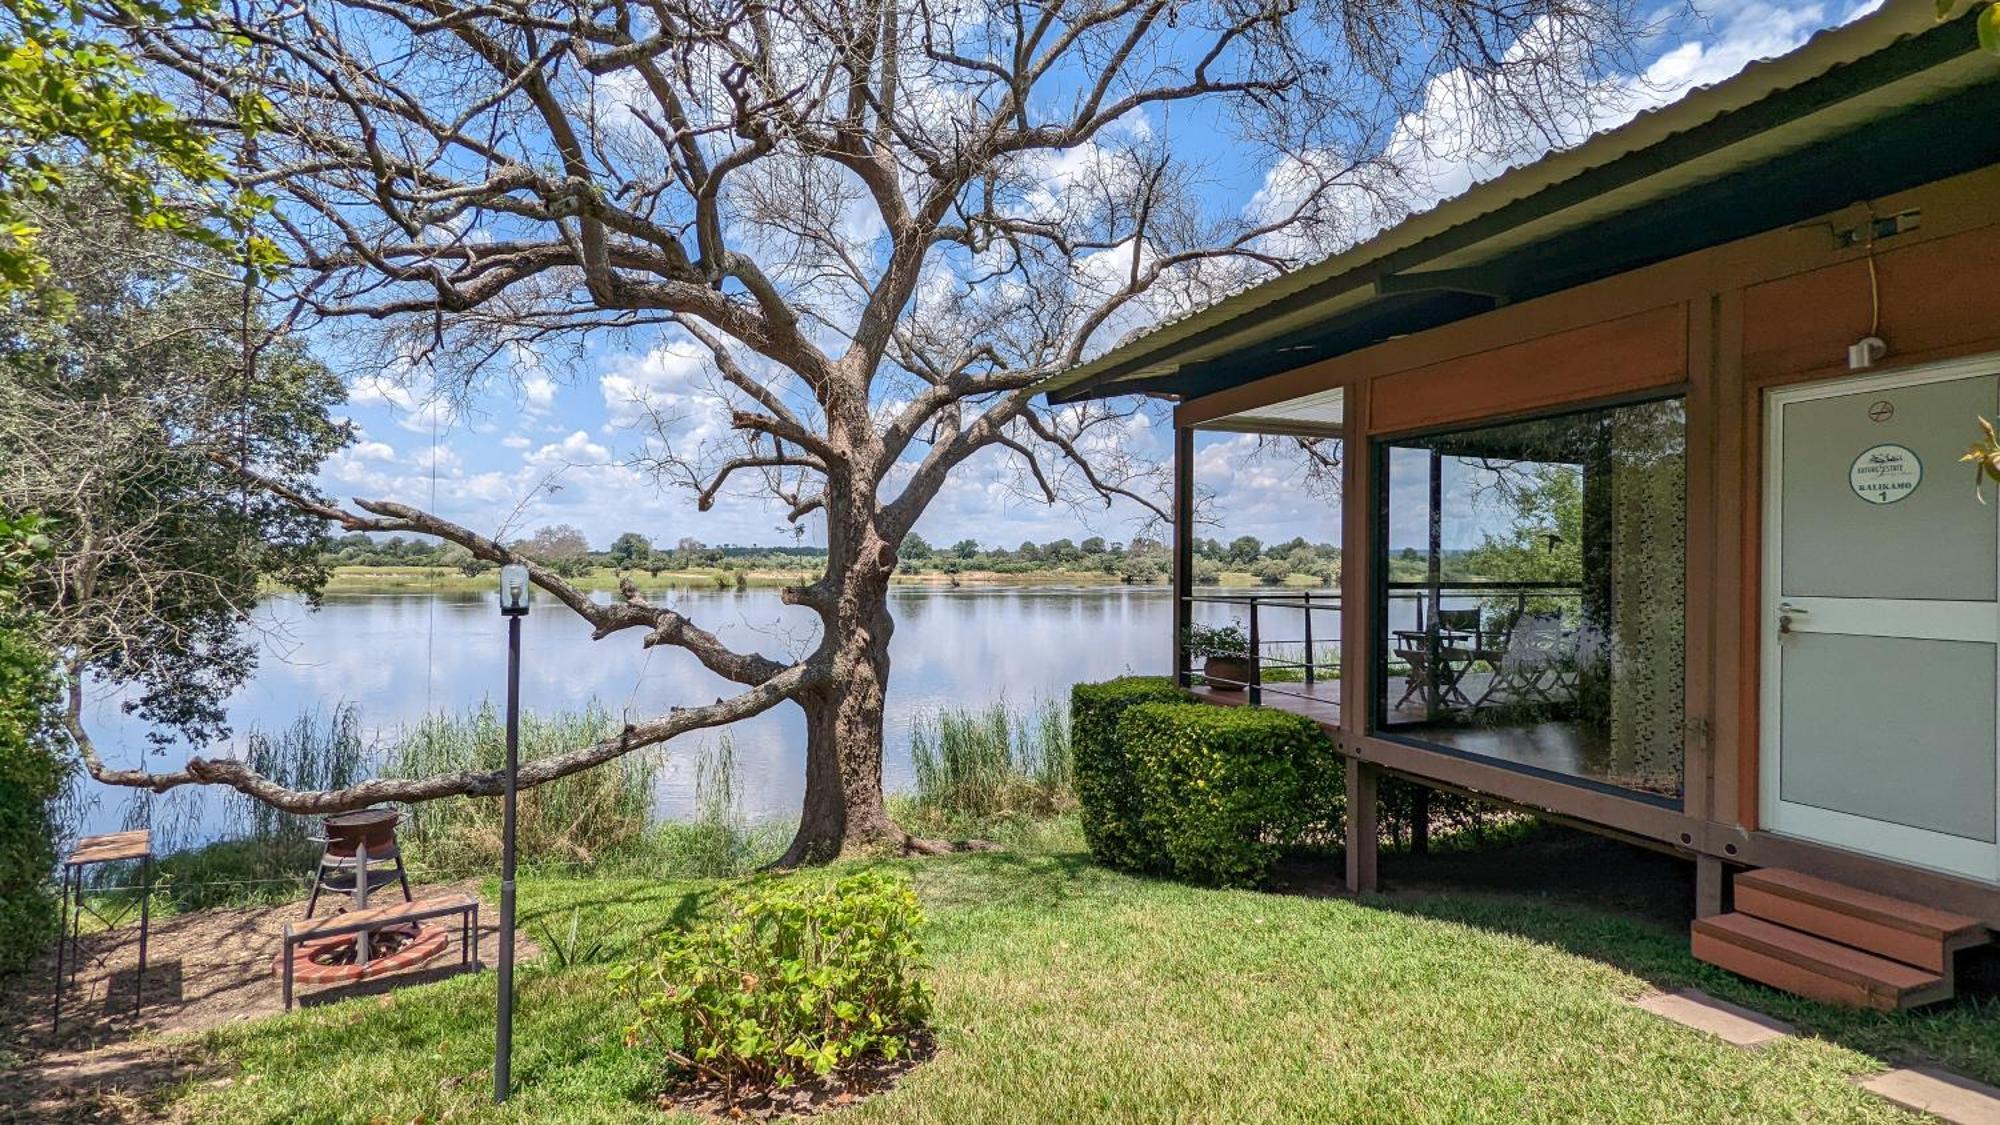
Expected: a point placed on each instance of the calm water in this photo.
(398, 657)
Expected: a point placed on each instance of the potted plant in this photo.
(1224, 652)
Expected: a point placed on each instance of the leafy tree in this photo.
(1060, 551)
(630, 549)
(463, 561)
(75, 114)
(1092, 546)
(124, 403)
(33, 765)
(1245, 549)
(965, 548)
(914, 547)
(560, 547)
(1272, 572)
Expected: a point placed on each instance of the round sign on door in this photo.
(1884, 474)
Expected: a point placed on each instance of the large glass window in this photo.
(1534, 589)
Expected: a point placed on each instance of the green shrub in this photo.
(787, 977)
(1224, 788)
(1105, 783)
(33, 765)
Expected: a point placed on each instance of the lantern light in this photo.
(514, 589)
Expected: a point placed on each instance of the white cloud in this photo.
(576, 449)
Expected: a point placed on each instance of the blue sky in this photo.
(554, 445)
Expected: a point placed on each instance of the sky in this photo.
(557, 444)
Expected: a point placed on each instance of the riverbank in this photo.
(447, 580)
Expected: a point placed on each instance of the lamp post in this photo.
(513, 606)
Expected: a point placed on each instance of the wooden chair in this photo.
(1536, 663)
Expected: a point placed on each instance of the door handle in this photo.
(1787, 611)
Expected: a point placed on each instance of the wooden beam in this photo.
(1184, 530)
(1361, 827)
(1709, 880)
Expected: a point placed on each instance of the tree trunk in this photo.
(843, 812)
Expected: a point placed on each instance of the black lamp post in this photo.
(513, 606)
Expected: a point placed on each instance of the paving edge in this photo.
(1948, 1097)
(1943, 1095)
(1691, 1007)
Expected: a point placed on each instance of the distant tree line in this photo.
(1141, 560)
(565, 549)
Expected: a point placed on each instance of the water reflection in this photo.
(400, 656)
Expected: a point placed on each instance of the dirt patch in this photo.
(204, 970)
(839, 1090)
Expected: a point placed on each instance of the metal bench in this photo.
(362, 923)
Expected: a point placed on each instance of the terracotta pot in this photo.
(1226, 673)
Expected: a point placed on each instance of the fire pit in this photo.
(346, 832)
(361, 855)
(334, 960)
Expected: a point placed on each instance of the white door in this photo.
(1881, 619)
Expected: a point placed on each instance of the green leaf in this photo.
(1989, 30)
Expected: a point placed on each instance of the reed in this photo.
(719, 842)
(996, 761)
(588, 819)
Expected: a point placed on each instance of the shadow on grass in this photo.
(1630, 908)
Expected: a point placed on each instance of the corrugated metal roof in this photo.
(1824, 53)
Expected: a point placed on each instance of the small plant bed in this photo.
(788, 996)
(855, 1082)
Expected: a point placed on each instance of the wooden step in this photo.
(1900, 931)
(1810, 966)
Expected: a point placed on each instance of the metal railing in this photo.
(1305, 603)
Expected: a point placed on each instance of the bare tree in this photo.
(880, 221)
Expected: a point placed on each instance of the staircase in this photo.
(1834, 943)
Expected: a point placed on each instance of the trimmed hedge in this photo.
(1107, 787)
(1223, 789)
(1211, 794)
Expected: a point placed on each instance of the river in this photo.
(397, 657)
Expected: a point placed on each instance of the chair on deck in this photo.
(1536, 663)
(1441, 659)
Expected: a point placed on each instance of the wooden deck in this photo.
(1565, 748)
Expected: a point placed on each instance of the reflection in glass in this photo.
(1535, 585)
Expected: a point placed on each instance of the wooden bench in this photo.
(362, 923)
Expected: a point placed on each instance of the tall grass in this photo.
(719, 842)
(587, 819)
(976, 765)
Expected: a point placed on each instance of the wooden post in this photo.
(1420, 821)
(1256, 691)
(1357, 593)
(1708, 884)
(1434, 588)
(1306, 599)
(1361, 827)
(1183, 548)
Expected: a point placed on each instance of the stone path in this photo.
(1948, 1097)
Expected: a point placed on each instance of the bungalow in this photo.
(1651, 521)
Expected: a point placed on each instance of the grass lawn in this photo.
(1069, 993)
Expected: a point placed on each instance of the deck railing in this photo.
(1258, 608)
(1306, 611)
